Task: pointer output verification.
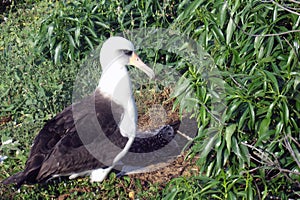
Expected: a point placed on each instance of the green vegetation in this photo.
(252, 152)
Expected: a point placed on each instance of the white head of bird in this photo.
(115, 54)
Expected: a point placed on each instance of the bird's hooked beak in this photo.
(137, 62)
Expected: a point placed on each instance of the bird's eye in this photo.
(127, 52)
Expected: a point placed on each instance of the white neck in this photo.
(115, 84)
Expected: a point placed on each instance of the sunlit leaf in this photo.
(264, 126)
(57, 54)
(228, 133)
(286, 113)
(274, 81)
(252, 115)
(77, 36)
(218, 34)
(209, 143)
(235, 147)
(223, 14)
(230, 30)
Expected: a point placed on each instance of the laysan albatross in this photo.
(79, 140)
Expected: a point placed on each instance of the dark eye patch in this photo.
(127, 52)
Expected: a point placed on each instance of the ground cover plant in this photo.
(252, 152)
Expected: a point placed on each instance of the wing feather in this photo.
(59, 141)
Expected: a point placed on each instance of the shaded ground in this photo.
(160, 112)
(179, 167)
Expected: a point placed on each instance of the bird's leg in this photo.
(99, 175)
(124, 151)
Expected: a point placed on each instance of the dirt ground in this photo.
(159, 111)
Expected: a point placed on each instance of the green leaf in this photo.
(270, 48)
(243, 118)
(218, 34)
(279, 127)
(286, 113)
(273, 79)
(189, 11)
(296, 82)
(209, 143)
(91, 31)
(270, 109)
(77, 36)
(236, 148)
(89, 42)
(261, 53)
(250, 193)
(57, 53)
(50, 31)
(245, 154)
(296, 152)
(228, 133)
(266, 59)
(202, 114)
(102, 24)
(265, 137)
(232, 107)
(252, 115)
(181, 87)
(264, 126)
(223, 14)
(231, 196)
(257, 42)
(229, 31)
(220, 150)
(172, 194)
(71, 41)
(275, 14)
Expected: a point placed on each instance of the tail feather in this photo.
(17, 179)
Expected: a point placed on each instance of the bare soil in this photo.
(159, 112)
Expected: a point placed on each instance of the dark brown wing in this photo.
(94, 144)
(67, 158)
(59, 146)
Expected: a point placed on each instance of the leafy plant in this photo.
(260, 68)
(74, 28)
